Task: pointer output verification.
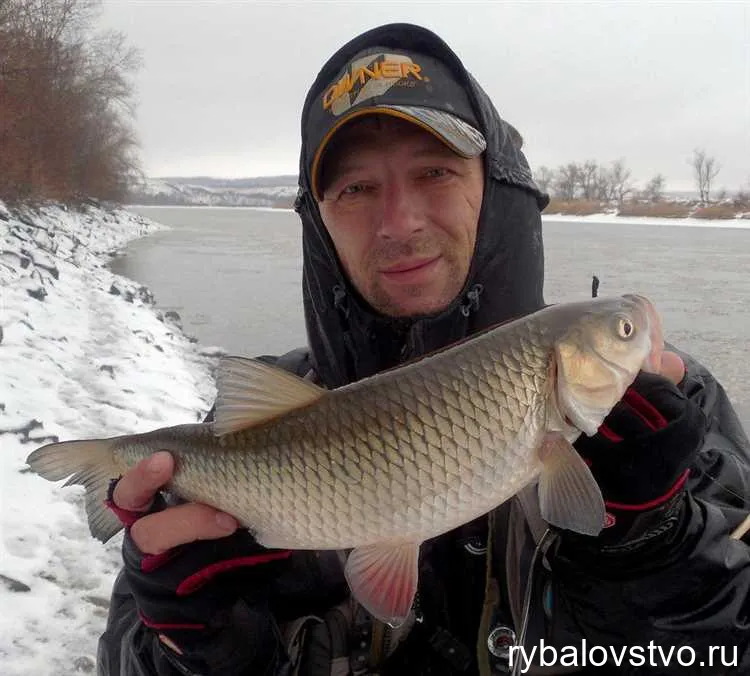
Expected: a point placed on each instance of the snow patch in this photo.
(83, 354)
(613, 219)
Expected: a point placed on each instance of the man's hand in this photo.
(672, 367)
(642, 453)
(188, 565)
(161, 531)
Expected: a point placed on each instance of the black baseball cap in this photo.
(397, 82)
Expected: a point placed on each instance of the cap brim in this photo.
(461, 137)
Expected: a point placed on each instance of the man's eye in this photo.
(354, 189)
(435, 172)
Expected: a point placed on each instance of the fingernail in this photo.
(226, 522)
(157, 463)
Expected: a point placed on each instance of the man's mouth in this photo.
(410, 267)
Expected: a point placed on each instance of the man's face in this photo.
(402, 210)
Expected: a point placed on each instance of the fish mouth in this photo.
(652, 363)
(620, 372)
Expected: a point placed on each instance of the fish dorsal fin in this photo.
(251, 392)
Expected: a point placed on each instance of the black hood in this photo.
(348, 340)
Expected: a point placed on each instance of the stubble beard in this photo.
(388, 253)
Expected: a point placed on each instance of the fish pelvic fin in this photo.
(384, 578)
(92, 465)
(251, 392)
(569, 496)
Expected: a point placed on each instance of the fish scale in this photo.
(324, 480)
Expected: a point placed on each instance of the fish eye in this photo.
(625, 328)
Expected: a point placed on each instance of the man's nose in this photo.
(401, 212)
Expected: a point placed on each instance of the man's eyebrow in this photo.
(333, 171)
(347, 165)
(338, 169)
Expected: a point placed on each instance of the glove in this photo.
(193, 593)
(641, 456)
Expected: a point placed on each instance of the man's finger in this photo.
(672, 367)
(136, 489)
(156, 533)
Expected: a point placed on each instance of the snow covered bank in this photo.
(613, 219)
(83, 353)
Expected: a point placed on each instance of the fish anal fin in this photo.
(384, 578)
(251, 392)
(569, 496)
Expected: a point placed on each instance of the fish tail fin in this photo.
(92, 465)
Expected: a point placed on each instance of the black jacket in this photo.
(689, 587)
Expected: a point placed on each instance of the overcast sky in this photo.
(222, 85)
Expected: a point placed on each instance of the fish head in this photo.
(600, 354)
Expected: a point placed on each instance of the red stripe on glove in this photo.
(609, 434)
(679, 484)
(151, 562)
(197, 580)
(127, 518)
(645, 410)
(166, 626)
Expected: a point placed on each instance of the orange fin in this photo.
(383, 578)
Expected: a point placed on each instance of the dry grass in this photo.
(717, 211)
(574, 207)
(656, 210)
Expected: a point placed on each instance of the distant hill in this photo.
(256, 182)
(261, 191)
(264, 191)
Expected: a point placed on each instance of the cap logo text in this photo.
(359, 76)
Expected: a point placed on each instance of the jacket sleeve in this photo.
(687, 583)
(247, 644)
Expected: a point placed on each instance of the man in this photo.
(421, 226)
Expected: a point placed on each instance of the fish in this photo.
(376, 467)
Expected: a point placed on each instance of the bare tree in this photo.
(705, 170)
(587, 179)
(544, 178)
(619, 177)
(654, 190)
(604, 185)
(8, 12)
(742, 198)
(65, 102)
(566, 181)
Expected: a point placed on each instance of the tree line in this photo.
(613, 183)
(66, 103)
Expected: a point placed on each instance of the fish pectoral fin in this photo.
(383, 578)
(569, 496)
(251, 391)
